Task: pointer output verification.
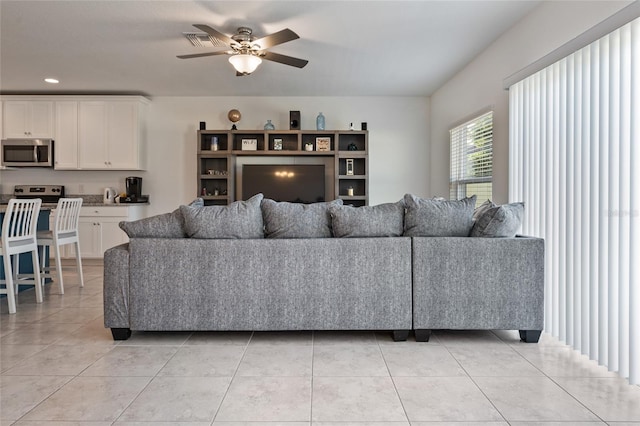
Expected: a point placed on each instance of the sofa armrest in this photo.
(478, 283)
(116, 287)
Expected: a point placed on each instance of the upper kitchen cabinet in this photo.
(28, 119)
(66, 135)
(111, 134)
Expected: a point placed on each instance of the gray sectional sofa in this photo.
(319, 268)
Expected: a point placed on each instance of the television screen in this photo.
(295, 183)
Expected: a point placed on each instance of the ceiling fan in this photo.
(247, 52)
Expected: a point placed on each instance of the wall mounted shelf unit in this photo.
(218, 149)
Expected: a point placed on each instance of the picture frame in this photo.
(323, 143)
(249, 145)
(277, 144)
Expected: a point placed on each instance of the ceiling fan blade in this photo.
(284, 59)
(200, 55)
(274, 39)
(215, 33)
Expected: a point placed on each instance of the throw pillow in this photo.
(167, 225)
(479, 211)
(240, 219)
(499, 221)
(296, 220)
(384, 220)
(437, 218)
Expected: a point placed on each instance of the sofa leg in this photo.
(422, 335)
(121, 333)
(530, 336)
(400, 335)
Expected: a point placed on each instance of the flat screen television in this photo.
(295, 183)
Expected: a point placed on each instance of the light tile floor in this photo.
(59, 366)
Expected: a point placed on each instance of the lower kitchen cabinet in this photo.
(98, 229)
(99, 234)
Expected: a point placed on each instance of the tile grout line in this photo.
(313, 355)
(475, 383)
(395, 387)
(235, 372)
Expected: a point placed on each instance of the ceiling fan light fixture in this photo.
(245, 63)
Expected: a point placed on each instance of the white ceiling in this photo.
(354, 48)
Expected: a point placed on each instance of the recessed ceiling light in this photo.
(51, 80)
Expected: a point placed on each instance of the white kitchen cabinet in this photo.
(66, 135)
(28, 119)
(111, 135)
(98, 229)
(98, 235)
(92, 145)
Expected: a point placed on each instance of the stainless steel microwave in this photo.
(27, 152)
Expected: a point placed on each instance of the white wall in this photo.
(398, 141)
(480, 83)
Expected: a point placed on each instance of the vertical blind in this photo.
(574, 159)
(471, 161)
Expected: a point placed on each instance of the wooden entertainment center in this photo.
(219, 150)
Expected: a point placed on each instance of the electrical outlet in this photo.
(81, 189)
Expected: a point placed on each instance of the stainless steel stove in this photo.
(48, 193)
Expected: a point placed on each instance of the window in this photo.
(472, 158)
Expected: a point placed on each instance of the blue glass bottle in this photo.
(320, 122)
(269, 126)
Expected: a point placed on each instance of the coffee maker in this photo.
(134, 190)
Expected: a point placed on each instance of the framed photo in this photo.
(249, 144)
(277, 144)
(323, 143)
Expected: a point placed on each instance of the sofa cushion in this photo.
(167, 225)
(296, 220)
(240, 219)
(438, 218)
(499, 221)
(384, 220)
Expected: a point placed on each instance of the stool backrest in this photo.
(67, 215)
(19, 225)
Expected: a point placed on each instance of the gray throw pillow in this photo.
(437, 218)
(296, 220)
(479, 211)
(384, 220)
(240, 219)
(167, 225)
(499, 221)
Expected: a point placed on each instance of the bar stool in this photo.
(19, 236)
(65, 231)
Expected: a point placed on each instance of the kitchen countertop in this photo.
(87, 201)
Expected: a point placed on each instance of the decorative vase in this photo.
(320, 122)
(269, 125)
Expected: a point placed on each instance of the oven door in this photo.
(27, 153)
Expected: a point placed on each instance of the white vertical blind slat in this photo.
(625, 174)
(594, 222)
(603, 223)
(574, 161)
(634, 231)
(614, 197)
